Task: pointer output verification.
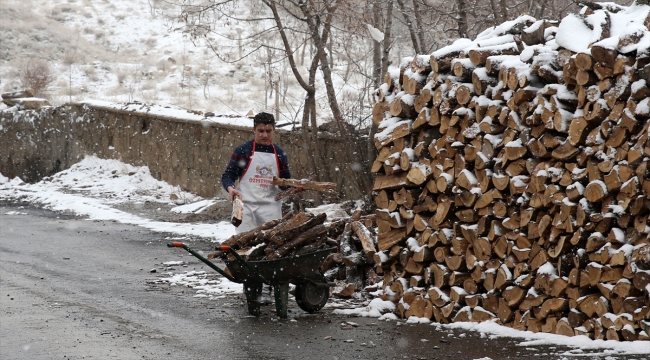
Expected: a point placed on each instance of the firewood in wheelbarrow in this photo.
(248, 238)
(318, 244)
(237, 210)
(304, 184)
(302, 239)
(286, 234)
(296, 220)
(256, 253)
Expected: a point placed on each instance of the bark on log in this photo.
(300, 240)
(289, 233)
(245, 238)
(305, 184)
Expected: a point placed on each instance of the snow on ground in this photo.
(206, 285)
(583, 346)
(93, 187)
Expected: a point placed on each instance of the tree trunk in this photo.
(462, 18)
(418, 27)
(409, 26)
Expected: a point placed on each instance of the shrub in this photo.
(36, 75)
(122, 74)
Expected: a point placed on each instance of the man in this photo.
(254, 163)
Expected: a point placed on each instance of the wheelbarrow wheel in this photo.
(310, 297)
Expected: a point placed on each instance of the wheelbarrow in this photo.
(312, 289)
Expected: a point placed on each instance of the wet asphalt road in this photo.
(77, 289)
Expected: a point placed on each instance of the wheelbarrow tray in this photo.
(288, 269)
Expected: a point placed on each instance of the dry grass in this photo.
(91, 73)
(150, 43)
(36, 75)
(122, 74)
(27, 34)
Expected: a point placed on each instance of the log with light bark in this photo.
(478, 56)
(366, 238)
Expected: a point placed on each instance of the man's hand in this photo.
(232, 192)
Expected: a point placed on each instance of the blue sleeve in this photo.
(285, 173)
(236, 166)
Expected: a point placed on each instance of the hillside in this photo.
(122, 51)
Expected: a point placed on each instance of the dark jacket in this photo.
(242, 155)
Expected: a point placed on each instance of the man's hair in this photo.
(263, 118)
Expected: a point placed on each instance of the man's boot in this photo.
(266, 298)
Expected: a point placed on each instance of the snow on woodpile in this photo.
(516, 165)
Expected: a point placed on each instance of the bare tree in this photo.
(408, 14)
(36, 75)
(152, 6)
(69, 59)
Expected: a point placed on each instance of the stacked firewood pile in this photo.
(512, 177)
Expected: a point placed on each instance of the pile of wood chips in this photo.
(512, 177)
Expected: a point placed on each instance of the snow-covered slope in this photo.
(123, 50)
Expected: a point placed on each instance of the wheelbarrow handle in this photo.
(204, 260)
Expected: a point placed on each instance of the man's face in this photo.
(263, 133)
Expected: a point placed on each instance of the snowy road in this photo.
(72, 288)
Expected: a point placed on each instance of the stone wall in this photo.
(186, 152)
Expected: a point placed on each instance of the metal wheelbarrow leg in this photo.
(253, 292)
(281, 292)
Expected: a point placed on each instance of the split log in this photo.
(366, 238)
(344, 291)
(237, 211)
